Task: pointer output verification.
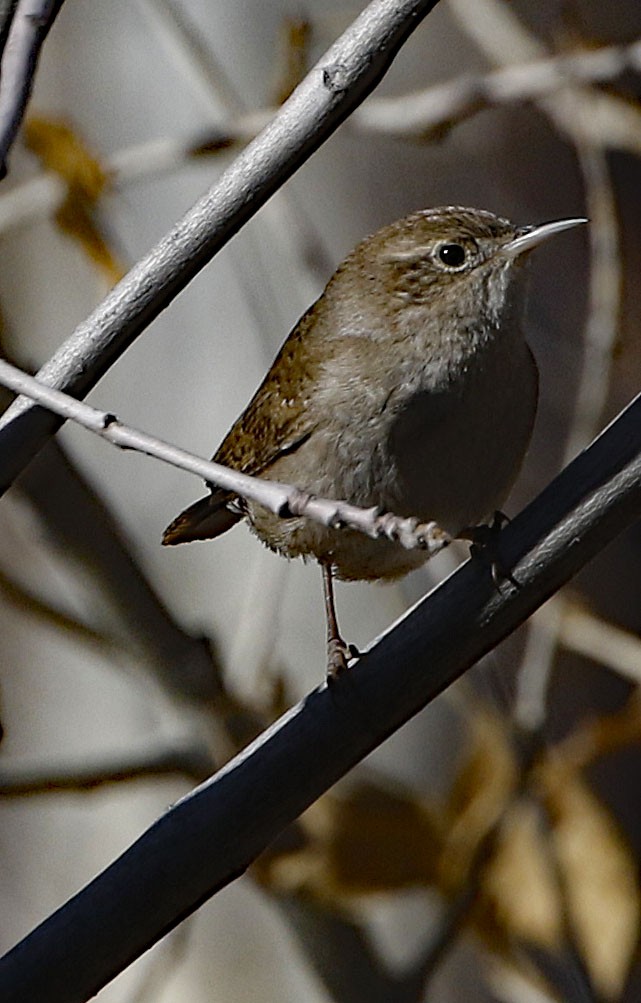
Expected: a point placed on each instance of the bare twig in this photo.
(83, 529)
(604, 302)
(580, 113)
(409, 115)
(30, 24)
(281, 499)
(336, 85)
(210, 837)
(195, 763)
(35, 606)
(427, 111)
(197, 63)
(582, 632)
(256, 628)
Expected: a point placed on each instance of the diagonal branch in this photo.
(336, 85)
(7, 10)
(210, 837)
(29, 26)
(282, 499)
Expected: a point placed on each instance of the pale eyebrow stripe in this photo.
(408, 255)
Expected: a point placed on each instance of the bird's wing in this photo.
(276, 421)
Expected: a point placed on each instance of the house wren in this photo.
(408, 385)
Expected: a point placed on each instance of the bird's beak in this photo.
(530, 237)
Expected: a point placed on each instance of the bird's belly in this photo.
(448, 458)
(331, 468)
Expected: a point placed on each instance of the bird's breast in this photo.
(457, 450)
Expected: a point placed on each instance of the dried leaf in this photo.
(367, 840)
(578, 870)
(520, 898)
(482, 789)
(61, 151)
(296, 32)
(600, 878)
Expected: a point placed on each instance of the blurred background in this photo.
(490, 850)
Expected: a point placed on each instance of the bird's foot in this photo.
(339, 653)
(484, 540)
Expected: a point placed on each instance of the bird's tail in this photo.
(205, 519)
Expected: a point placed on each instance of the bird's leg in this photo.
(337, 650)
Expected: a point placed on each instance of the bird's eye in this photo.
(452, 255)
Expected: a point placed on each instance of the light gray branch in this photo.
(81, 526)
(414, 115)
(281, 499)
(30, 24)
(210, 837)
(429, 110)
(335, 86)
(7, 10)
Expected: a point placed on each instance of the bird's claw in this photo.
(484, 547)
(339, 653)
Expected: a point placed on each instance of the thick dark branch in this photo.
(211, 836)
(338, 83)
(29, 25)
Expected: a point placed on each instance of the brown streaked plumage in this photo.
(408, 385)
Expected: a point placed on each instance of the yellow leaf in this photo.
(600, 879)
(364, 841)
(60, 150)
(483, 787)
(520, 891)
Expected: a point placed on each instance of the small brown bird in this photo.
(407, 385)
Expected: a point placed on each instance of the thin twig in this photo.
(282, 499)
(428, 111)
(597, 355)
(30, 25)
(581, 114)
(195, 763)
(599, 338)
(256, 626)
(189, 54)
(411, 115)
(335, 86)
(210, 836)
(36, 606)
(80, 525)
(584, 633)
(604, 300)
(408, 115)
